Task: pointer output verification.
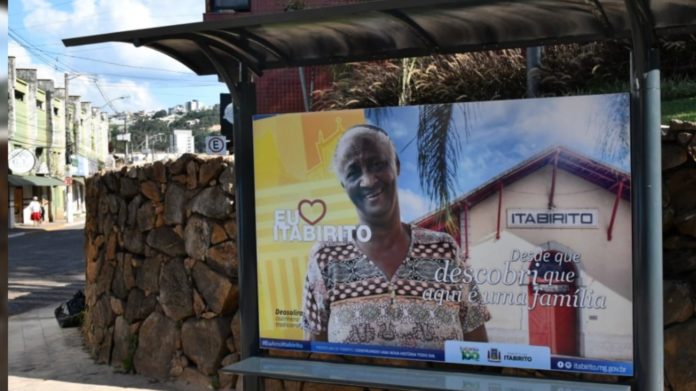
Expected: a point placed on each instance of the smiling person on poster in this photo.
(372, 292)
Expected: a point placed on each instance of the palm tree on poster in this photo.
(612, 129)
(438, 143)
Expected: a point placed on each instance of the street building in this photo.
(193, 105)
(49, 153)
(182, 141)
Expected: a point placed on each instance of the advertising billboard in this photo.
(493, 233)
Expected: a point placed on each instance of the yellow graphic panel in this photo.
(297, 193)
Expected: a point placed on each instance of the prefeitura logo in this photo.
(494, 355)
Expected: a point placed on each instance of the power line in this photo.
(48, 53)
(117, 64)
(45, 56)
(71, 18)
(38, 52)
(194, 82)
(38, 55)
(165, 84)
(106, 99)
(141, 77)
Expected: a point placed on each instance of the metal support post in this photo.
(648, 286)
(533, 62)
(69, 150)
(647, 200)
(245, 108)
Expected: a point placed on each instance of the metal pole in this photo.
(303, 86)
(650, 316)
(244, 109)
(646, 163)
(125, 133)
(533, 62)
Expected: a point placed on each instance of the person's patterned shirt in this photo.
(347, 296)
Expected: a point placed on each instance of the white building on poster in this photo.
(571, 207)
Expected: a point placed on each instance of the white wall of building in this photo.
(605, 268)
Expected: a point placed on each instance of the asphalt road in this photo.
(45, 268)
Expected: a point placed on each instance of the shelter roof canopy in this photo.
(394, 28)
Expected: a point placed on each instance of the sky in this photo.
(503, 134)
(103, 72)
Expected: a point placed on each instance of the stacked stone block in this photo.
(679, 227)
(161, 270)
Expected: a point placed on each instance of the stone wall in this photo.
(162, 285)
(161, 270)
(679, 227)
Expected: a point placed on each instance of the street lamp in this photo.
(122, 137)
(108, 103)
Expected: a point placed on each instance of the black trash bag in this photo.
(70, 313)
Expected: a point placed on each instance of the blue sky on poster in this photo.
(503, 134)
(151, 80)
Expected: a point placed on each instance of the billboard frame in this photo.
(231, 57)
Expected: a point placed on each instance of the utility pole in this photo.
(68, 153)
(125, 133)
(147, 145)
(533, 63)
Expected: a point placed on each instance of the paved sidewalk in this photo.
(23, 229)
(42, 356)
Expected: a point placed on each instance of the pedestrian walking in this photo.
(35, 208)
(44, 209)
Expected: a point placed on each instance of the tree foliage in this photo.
(565, 70)
(199, 122)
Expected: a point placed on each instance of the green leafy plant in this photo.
(565, 70)
(682, 109)
(127, 363)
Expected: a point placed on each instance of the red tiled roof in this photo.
(586, 168)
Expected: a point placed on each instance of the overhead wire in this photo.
(117, 64)
(40, 56)
(195, 81)
(48, 53)
(46, 57)
(96, 16)
(106, 98)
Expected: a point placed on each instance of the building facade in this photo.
(574, 209)
(49, 153)
(182, 141)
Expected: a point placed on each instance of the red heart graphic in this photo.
(311, 205)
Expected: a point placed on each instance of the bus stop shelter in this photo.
(244, 46)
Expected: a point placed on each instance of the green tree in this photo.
(199, 122)
(143, 127)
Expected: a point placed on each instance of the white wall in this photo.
(605, 268)
(183, 141)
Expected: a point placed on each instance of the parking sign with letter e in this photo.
(216, 145)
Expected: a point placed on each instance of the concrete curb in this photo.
(48, 227)
(62, 226)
